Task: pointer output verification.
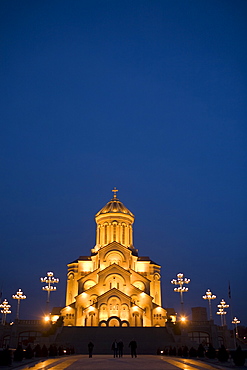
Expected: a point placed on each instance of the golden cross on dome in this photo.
(114, 193)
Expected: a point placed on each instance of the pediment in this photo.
(113, 292)
(114, 269)
(139, 276)
(92, 275)
(114, 246)
(70, 306)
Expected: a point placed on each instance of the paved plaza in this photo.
(107, 362)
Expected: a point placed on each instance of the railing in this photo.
(29, 322)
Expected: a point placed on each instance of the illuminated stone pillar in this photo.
(130, 236)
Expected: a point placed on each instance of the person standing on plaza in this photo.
(133, 346)
(120, 348)
(114, 347)
(90, 349)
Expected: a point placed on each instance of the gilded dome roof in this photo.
(115, 206)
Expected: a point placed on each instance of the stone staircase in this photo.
(148, 339)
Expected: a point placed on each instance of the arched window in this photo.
(124, 314)
(103, 314)
(221, 341)
(105, 234)
(114, 281)
(114, 257)
(114, 231)
(123, 234)
(88, 284)
(140, 285)
(113, 304)
(199, 337)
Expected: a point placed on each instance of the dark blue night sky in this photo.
(147, 96)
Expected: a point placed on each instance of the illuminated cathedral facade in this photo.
(114, 286)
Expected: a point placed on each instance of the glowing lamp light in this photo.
(236, 321)
(209, 296)
(54, 318)
(19, 296)
(181, 289)
(183, 319)
(222, 311)
(5, 309)
(46, 318)
(49, 280)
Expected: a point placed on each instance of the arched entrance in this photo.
(125, 323)
(103, 323)
(114, 321)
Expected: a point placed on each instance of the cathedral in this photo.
(114, 286)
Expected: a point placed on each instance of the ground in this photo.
(107, 362)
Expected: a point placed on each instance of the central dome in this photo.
(114, 206)
(114, 223)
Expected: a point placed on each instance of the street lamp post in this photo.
(181, 289)
(222, 311)
(19, 296)
(236, 321)
(5, 309)
(49, 280)
(209, 296)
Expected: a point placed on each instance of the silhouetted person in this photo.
(44, 351)
(192, 352)
(6, 357)
(120, 346)
(133, 346)
(114, 347)
(211, 353)
(18, 354)
(29, 352)
(52, 351)
(200, 351)
(90, 349)
(180, 352)
(60, 351)
(222, 354)
(37, 350)
(239, 357)
(185, 351)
